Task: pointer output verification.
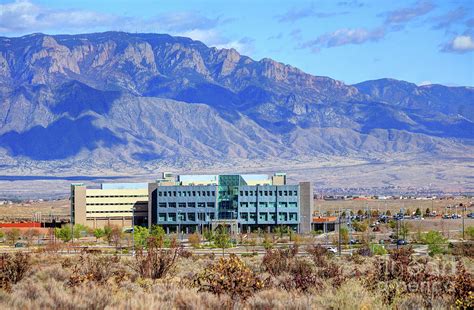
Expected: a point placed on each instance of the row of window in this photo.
(269, 193)
(184, 204)
(185, 217)
(117, 204)
(119, 196)
(186, 193)
(263, 204)
(271, 216)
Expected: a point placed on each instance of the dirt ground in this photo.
(34, 210)
(394, 205)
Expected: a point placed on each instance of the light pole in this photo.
(463, 215)
(133, 231)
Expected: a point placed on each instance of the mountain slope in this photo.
(140, 99)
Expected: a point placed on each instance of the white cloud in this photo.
(24, 16)
(460, 44)
(345, 36)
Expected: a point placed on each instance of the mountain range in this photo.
(103, 101)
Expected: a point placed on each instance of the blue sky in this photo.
(422, 42)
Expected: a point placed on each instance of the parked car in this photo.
(471, 215)
(402, 242)
(332, 250)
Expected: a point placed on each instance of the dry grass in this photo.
(48, 285)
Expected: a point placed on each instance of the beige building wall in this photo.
(78, 204)
(97, 208)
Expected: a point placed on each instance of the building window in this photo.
(253, 216)
(211, 216)
(293, 216)
(171, 217)
(182, 205)
(296, 193)
(160, 194)
(201, 204)
(246, 193)
(290, 193)
(244, 204)
(194, 193)
(191, 205)
(192, 217)
(282, 205)
(263, 217)
(260, 193)
(162, 217)
(252, 204)
(286, 193)
(162, 205)
(211, 205)
(182, 217)
(272, 216)
(164, 194)
(292, 205)
(244, 216)
(241, 193)
(280, 193)
(202, 216)
(172, 204)
(262, 204)
(282, 216)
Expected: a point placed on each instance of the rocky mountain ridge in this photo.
(150, 99)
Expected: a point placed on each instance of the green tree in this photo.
(344, 231)
(108, 233)
(222, 239)
(80, 231)
(404, 230)
(360, 226)
(388, 213)
(377, 249)
(64, 233)
(2, 234)
(12, 235)
(427, 212)
(418, 212)
(208, 234)
(435, 241)
(98, 233)
(140, 236)
(470, 232)
(158, 232)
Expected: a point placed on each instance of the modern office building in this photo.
(188, 203)
(112, 204)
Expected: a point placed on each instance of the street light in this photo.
(133, 231)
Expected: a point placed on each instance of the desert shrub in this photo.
(318, 254)
(51, 294)
(364, 251)
(97, 269)
(463, 287)
(157, 262)
(400, 276)
(277, 261)
(301, 277)
(463, 249)
(228, 276)
(195, 240)
(351, 295)
(332, 272)
(12, 235)
(13, 268)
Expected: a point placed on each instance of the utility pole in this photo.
(133, 231)
(339, 241)
(463, 215)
